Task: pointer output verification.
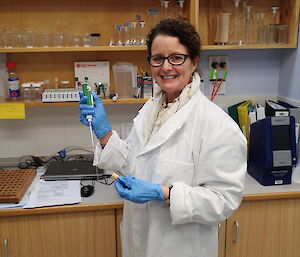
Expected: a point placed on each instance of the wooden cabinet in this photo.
(69, 234)
(261, 228)
(264, 228)
(205, 21)
(90, 16)
(78, 18)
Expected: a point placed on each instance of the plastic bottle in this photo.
(13, 81)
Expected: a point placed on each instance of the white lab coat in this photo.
(201, 152)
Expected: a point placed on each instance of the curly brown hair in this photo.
(180, 28)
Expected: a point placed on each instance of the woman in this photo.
(182, 148)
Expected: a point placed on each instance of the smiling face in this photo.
(171, 79)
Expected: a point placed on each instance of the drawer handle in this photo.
(236, 239)
(5, 247)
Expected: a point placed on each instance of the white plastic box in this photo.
(60, 95)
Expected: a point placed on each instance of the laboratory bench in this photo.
(266, 224)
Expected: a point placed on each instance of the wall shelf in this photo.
(237, 47)
(135, 48)
(105, 101)
(73, 49)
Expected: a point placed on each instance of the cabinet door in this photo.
(221, 235)
(76, 234)
(266, 228)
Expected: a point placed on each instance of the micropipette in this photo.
(90, 101)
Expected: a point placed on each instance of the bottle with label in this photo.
(13, 81)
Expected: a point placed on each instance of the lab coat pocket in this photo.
(169, 171)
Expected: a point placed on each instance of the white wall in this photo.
(47, 130)
(250, 72)
(289, 80)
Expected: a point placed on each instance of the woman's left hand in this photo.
(138, 191)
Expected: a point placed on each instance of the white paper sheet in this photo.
(49, 193)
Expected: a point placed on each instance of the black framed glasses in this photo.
(173, 59)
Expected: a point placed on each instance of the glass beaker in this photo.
(86, 40)
(44, 39)
(59, 37)
(282, 33)
(95, 38)
(29, 39)
(2, 33)
(76, 40)
(222, 29)
(7, 39)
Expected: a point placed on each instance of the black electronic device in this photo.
(272, 151)
(76, 170)
(87, 190)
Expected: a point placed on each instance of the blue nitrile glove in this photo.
(138, 191)
(100, 124)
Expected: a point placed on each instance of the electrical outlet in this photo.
(218, 66)
(221, 89)
(220, 60)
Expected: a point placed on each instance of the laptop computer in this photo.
(64, 170)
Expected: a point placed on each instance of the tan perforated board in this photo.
(14, 183)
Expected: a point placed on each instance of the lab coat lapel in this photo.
(170, 127)
(144, 117)
(138, 125)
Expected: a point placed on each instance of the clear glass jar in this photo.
(37, 91)
(282, 34)
(26, 92)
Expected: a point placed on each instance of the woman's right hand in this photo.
(100, 124)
